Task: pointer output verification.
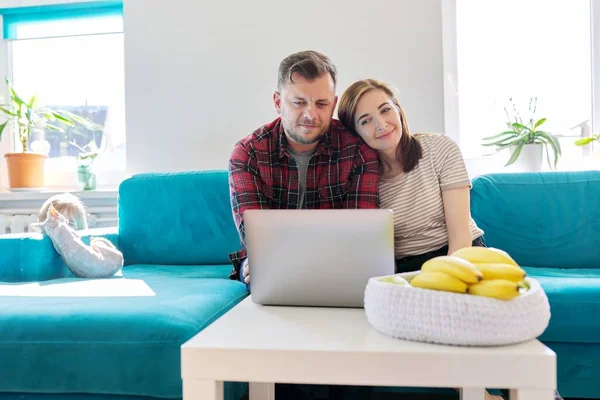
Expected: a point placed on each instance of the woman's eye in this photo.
(386, 109)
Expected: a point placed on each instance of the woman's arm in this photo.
(458, 216)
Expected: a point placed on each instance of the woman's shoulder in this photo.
(434, 140)
(432, 137)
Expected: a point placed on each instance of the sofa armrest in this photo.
(31, 257)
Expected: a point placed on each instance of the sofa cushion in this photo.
(541, 219)
(113, 336)
(574, 296)
(189, 210)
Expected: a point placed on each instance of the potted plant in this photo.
(26, 168)
(525, 139)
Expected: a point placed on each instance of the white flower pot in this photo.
(531, 158)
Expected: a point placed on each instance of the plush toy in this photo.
(101, 259)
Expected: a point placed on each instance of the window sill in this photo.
(477, 166)
(99, 194)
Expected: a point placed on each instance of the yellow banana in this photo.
(487, 255)
(457, 267)
(496, 288)
(439, 281)
(501, 271)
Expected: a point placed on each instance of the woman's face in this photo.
(377, 120)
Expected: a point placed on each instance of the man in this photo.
(302, 159)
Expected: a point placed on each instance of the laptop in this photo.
(321, 258)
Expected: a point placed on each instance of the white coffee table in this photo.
(263, 345)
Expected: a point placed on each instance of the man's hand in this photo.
(246, 271)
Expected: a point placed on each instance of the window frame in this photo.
(56, 176)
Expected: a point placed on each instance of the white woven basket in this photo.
(433, 316)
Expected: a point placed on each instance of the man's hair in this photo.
(309, 64)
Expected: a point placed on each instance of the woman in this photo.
(423, 177)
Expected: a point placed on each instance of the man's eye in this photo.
(298, 103)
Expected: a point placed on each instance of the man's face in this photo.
(306, 108)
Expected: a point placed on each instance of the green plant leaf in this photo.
(33, 102)
(548, 154)
(52, 127)
(62, 119)
(7, 111)
(515, 154)
(539, 122)
(549, 139)
(552, 139)
(507, 133)
(584, 141)
(520, 126)
(2, 126)
(15, 97)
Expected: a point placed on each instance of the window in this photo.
(71, 56)
(519, 50)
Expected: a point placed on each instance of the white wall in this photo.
(200, 74)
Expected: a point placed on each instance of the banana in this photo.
(457, 267)
(487, 255)
(439, 281)
(496, 288)
(501, 271)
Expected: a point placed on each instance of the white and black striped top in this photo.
(416, 197)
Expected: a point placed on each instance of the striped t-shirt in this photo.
(416, 197)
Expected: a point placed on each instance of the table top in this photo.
(338, 338)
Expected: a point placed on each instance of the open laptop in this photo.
(317, 257)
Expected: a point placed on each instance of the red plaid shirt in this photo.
(342, 173)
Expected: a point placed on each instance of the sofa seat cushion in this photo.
(574, 296)
(114, 336)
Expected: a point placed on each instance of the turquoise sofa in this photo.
(91, 342)
(550, 224)
(176, 230)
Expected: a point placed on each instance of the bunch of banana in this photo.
(502, 276)
(481, 271)
(447, 273)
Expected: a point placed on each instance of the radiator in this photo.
(19, 221)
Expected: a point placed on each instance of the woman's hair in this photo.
(69, 206)
(408, 152)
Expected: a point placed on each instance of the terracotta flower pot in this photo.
(25, 170)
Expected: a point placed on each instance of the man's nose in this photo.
(310, 112)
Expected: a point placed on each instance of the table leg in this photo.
(202, 390)
(472, 394)
(531, 394)
(261, 391)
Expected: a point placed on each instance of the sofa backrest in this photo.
(180, 218)
(549, 219)
(31, 257)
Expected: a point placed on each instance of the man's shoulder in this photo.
(344, 140)
(265, 133)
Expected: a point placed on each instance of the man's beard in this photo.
(304, 139)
